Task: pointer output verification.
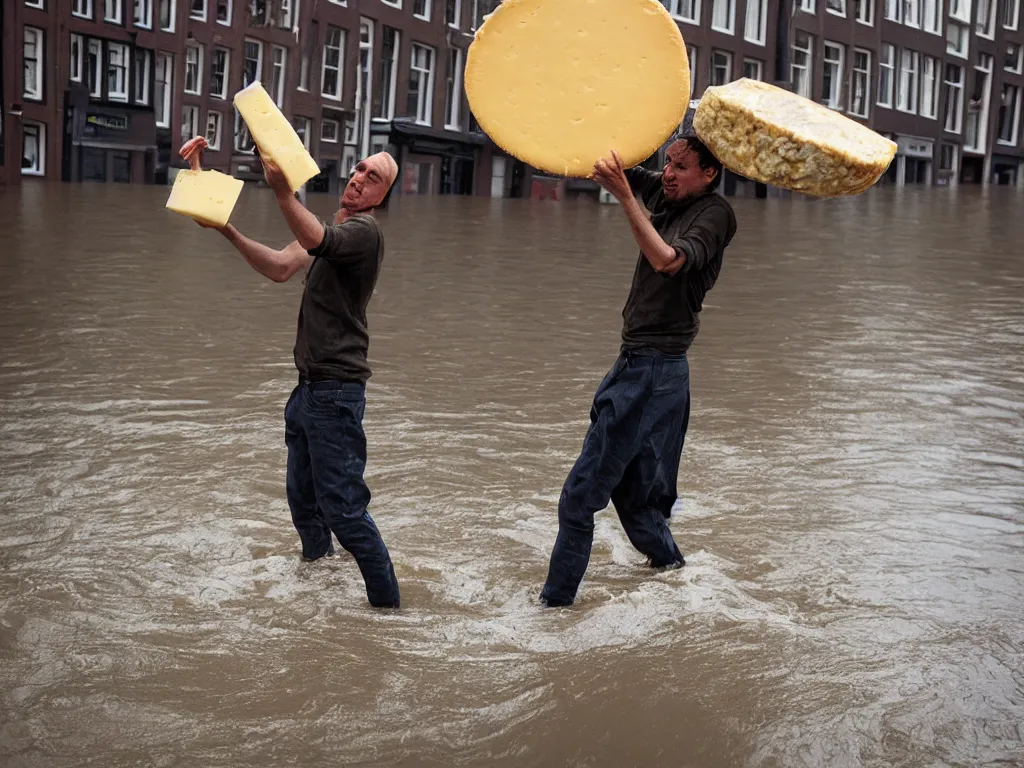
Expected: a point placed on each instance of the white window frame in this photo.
(453, 105)
(1017, 68)
(386, 109)
(425, 16)
(931, 16)
(457, 23)
(425, 100)
(40, 168)
(278, 73)
(912, 13)
(340, 69)
(864, 10)
(986, 28)
(113, 11)
(684, 10)
(198, 15)
(172, 6)
(807, 68)
(808, 6)
(198, 48)
(929, 108)
(907, 81)
(77, 63)
(34, 4)
(190, 111)
(304, 128)
(217, 119)
(894, 10)
(259, 60)
(243, 142)
(120, 92)
(285, 16)
(886, 99)
(144, 56)
(142, 14)
(965, 39)
(303, 73)
(729, 27)
(34, 90)
(94, 48)
(833, 100)
(82, 9)
(728, 65)
(1015, 131)
(755, 29)
(865, 77)
(985, 65)
(231, 12)
(758, 66)
(840, 11)
(956, 88)
(1011, 18)
(164, 66)
(223, 93)
(393, 3)
(337, 131)
(961, 11)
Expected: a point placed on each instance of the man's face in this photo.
(683, 176)
(369, 183)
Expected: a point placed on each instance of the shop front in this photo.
(107, 143)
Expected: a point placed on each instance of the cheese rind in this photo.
(777, 137)
(206, 196)
(560, 83)
(275, 136)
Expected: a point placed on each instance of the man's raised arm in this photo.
(278, 266)
(307, 228)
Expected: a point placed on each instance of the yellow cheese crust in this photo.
(206, 196)
(560, 83)
(275, 136)
(777, 137)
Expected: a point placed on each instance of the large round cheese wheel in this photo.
(777, 137)
(560, 83)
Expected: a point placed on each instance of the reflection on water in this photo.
(851, 506)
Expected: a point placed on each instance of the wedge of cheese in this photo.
(777, 137)
(206, 196)
(558, 84)
(275, 136)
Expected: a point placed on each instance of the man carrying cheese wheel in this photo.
(323, 417)
(641, 410)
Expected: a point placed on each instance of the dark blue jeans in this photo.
(630, 457)
(326, 490)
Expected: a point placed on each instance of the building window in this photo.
(143, 59)
(421, 83)
(953, 96)
(278, 58)
(243, 141)
(1011, 13)
(960, 10)
(930, 87)
(329, 130)
(194, 69)
(189, 122)
(214, 124)
(304, 72)
(224, 15)
(112, 11)
(985, 23)
(167, 13)
(350, 132)
(252, 66)
(947, 157)
(92, 68)
(482, 8)
(163, 83)
(386, 83)
(284, 14)
(886, 68)
(803, 51)
(453, 91)
(691, 57)
(34, 3)
(331, 76)
(117, 72)
(865, 10)
(721, 67)
(303, 127)
(33, 148)
(82, 9)
(32, 62)
(77, 57)
(198, 10)
(752, 69)
(143, 16)
(723, 15)
(836, 7)
(894, 10)
(957, 39)
(832, 80)
(453, 13)
(931, 16)
(421, 9)
(395, 3)
(1014, 62)
(1009, 115)
(976, 132)
(220, 61)
(906, 95)
(684, 10)
(911, 16)
(808, 6)
(860, 78)
(755, 23)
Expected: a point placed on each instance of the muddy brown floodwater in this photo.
(852, 495)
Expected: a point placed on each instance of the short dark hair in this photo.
(705, 159)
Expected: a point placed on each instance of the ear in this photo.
(710, 173)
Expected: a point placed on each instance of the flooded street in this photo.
(851, 511)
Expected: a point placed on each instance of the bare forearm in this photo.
(265, 260)
(660, 254)
(304, 225)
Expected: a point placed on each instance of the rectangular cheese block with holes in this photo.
(274, 135)
(206, 196)
(777, 137)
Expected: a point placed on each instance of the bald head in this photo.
(370, 181)
(387, 166)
